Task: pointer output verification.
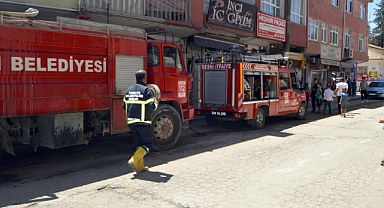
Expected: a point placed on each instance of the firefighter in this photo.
(138, 104)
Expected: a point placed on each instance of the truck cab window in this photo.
(152, 55)
(284, 81)
(295, 81)
(172, 58)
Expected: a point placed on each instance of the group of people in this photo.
(342, 90)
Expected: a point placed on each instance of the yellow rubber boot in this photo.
(140, 165)
(137, 162)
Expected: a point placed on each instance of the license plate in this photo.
(218, 113)
(372, 93)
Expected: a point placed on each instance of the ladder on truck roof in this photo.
(75, 25)
(227, 57)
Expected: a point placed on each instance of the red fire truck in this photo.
(63, 82)
(241, 87)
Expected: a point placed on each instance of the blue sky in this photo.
(371, 12)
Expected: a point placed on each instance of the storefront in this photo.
(349, 70)
(330, 63)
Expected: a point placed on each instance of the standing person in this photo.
(344, 101)
(138, 103)
(354, 88)
(313, 95)
(339, 90)
(349, 82)
(307, 96)
(319, 98)
(328, 98)
(332, 84)
(363, 90)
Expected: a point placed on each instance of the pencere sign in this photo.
(232, 13)
(270, 27)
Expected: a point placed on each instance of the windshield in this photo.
(376, 84)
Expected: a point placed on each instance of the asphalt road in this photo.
(324, 161)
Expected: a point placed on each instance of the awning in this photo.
(218, 44)
(296, 57)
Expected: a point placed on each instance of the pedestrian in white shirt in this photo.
(328, 98)
(339, 91)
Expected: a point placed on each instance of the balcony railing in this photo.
(177, 10)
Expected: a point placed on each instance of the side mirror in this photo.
(192, 66)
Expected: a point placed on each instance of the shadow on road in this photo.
(157, 177)
(33, 177)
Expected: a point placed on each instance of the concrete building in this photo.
(337, 38)
(373, 69)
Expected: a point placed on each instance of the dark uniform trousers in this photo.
(142, 134)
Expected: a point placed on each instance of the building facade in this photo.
(337, 38)
(373, 69)
(325, 38)
(255, 26)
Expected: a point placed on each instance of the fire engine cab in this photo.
(240, 87)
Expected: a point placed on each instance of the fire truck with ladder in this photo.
(234, 87)
(63, 83)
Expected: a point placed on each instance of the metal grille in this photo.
(215, 87)
(177, 10)
(126, 66)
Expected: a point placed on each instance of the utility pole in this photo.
(108, 12)
(287, 17)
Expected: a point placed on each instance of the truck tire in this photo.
(302, 112)
(166, 125)
(211, 121)
(259, 121)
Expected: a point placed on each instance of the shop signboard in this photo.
(270, 27)
(232, 13)
(330, 52)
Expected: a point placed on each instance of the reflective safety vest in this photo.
(138, 103)
(143, 104)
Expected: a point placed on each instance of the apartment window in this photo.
(335, 3)
(362, 11)
(347, 39)
(271, 7)
(361, 44)
(313, 26)
(324, 32)
(297, 11)
(334, 36)
(348, 6)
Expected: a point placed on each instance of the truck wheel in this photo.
(211, 121)
(259, 121)
(302, 112)
(166, 124)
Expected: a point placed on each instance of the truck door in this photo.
(285, 92)
(176, 77)
(296, 91)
